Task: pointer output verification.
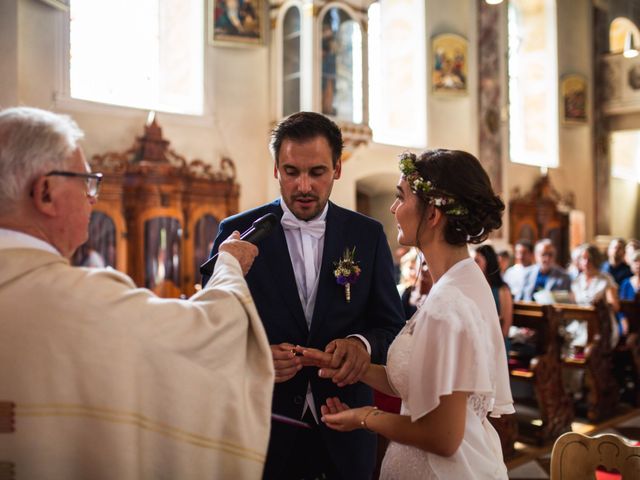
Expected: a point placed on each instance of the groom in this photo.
(300, 301)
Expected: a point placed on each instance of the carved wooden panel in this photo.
(155, 199)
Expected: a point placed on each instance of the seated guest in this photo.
(414, 295)
(409, 270)
(573, 269)
(592, 285)
(544, 274)
(100, 379)
(504, 260)
(630, 288)
(515, 275)
(615, 265)
(629, 249)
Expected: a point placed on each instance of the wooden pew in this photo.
(544, 373)
(596, 360)
(627, 354)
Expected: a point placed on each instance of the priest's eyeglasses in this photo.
(92, 180)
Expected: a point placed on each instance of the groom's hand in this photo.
(349, 361)
(285, 361)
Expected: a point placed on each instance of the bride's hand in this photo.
(339, 416)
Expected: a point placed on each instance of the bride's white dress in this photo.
(452, 343)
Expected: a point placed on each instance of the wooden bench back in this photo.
(576, 456)
(539, 318)
(631, 310)
(598, 318)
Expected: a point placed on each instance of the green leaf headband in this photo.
(426, 189)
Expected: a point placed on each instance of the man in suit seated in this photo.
(544, 275)
(302, 301)
(100, 379)
(615, 264)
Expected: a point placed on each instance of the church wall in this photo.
(236, 122)
(453, 122)
(9, 52)
(239, 116)
(575, 173)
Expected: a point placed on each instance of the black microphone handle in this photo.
(252, 235)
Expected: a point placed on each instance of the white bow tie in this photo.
(314, 228)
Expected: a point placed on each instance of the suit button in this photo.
(298, 399)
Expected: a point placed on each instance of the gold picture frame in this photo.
(574, 99)
(236, 23)
(449, 64)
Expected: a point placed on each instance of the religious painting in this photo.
(236, 22)
(573, 91)
(449, 64)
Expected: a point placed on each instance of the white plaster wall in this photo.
(380, 205)
(8, 52)
(575, 45)
(625, 204)
(452, 121)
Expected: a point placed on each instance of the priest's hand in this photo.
(244, 252)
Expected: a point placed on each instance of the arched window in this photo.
(398, 72)
(291, 48)
(533, 82)
(341, 86)
(618, 31)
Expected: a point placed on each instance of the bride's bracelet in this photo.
(363, 422)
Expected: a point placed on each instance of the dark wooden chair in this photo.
(602, 393)
(544, 373)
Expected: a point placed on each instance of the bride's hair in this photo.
(460, 174)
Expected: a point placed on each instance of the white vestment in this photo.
(108, 381)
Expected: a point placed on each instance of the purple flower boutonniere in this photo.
(347, 271)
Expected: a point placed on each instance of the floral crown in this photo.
(426, 189)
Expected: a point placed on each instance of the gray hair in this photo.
(543, 243)
(32, 142)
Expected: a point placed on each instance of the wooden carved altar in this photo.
(541, 213)
(158, 214)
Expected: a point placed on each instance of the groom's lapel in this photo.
(275, 251)
(334, 245)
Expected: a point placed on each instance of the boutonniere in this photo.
(347, 271)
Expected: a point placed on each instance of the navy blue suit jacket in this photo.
(557, 279)
(374, 312)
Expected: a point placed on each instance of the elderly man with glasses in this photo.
(100, 379)
(544, 275)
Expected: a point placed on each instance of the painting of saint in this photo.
(449, 72)
(574, 98)
(236, 21)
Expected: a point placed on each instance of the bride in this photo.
(448, 364)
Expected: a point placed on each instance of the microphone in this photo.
(259, 229)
